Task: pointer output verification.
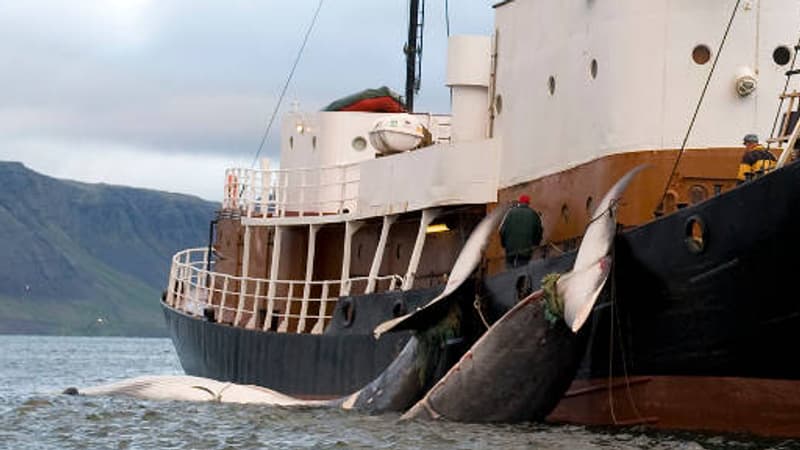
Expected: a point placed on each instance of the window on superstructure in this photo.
(701, 54)
(782, 55)
(359, 143)
(593, 68)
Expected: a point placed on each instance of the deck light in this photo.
(437, 228)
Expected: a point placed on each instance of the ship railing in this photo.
(299, 192)
(286, 306)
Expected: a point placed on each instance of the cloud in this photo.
(194, 80)
(194, 173)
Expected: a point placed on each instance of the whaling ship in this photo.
(368, 211)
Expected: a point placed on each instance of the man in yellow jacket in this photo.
(756, 160)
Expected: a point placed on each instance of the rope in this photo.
(286, 85)
(477, 305)
(611, 364)
(699, 104)
(782, 99)
(622, 349)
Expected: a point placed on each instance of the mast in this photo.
(413, 50)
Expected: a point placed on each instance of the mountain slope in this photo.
(89, 258)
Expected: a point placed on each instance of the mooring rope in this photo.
(611, 364)
(622, 350)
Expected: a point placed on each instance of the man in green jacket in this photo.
(520, 231)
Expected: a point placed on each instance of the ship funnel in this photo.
(468, 71)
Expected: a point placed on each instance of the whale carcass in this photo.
(517, 370)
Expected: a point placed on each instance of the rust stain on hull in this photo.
(719, 404)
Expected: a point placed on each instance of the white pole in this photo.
(312, 246)
(319, 327)
(427, 217)
(350, 228)
(377, 259)
(245, 272)
(273, 275)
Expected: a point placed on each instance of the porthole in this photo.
(565, 212)
(291, 141)
(359, 143)
(551, 85)
(670, 201)
(498, 104)
(589, 204)
(314, 142)
(399, 308)
(782, 55)
(593, 69)
(697, 193)
(696, 234)
(701, 54)
(348, 311)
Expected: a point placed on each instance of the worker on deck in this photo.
(756, 161)
(520, 231)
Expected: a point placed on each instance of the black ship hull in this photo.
(340, 361)
(706, 292)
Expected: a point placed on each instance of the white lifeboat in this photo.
(397, 133)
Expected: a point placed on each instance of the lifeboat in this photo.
(397, 133)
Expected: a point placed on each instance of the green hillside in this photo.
(89, 259)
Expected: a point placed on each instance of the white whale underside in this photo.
(579, 288)
(196, 389)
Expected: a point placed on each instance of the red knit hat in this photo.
(524, 199)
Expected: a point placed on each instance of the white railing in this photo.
(292, 192)
(288, 306)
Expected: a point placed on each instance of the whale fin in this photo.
(468, 259)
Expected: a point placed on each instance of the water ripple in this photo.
(34, 415)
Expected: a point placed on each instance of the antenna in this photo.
(413, 50)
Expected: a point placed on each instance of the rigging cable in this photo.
(286, 85)
(697, 108)
(623, 357)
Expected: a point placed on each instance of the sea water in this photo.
(34, 415)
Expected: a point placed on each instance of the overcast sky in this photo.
(166, 94)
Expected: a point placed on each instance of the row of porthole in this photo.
(701, 54)
(313, 142)
(695, 230)
(697, 194)
(782, 55)
(551, 81)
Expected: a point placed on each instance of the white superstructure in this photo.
(579, 80)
